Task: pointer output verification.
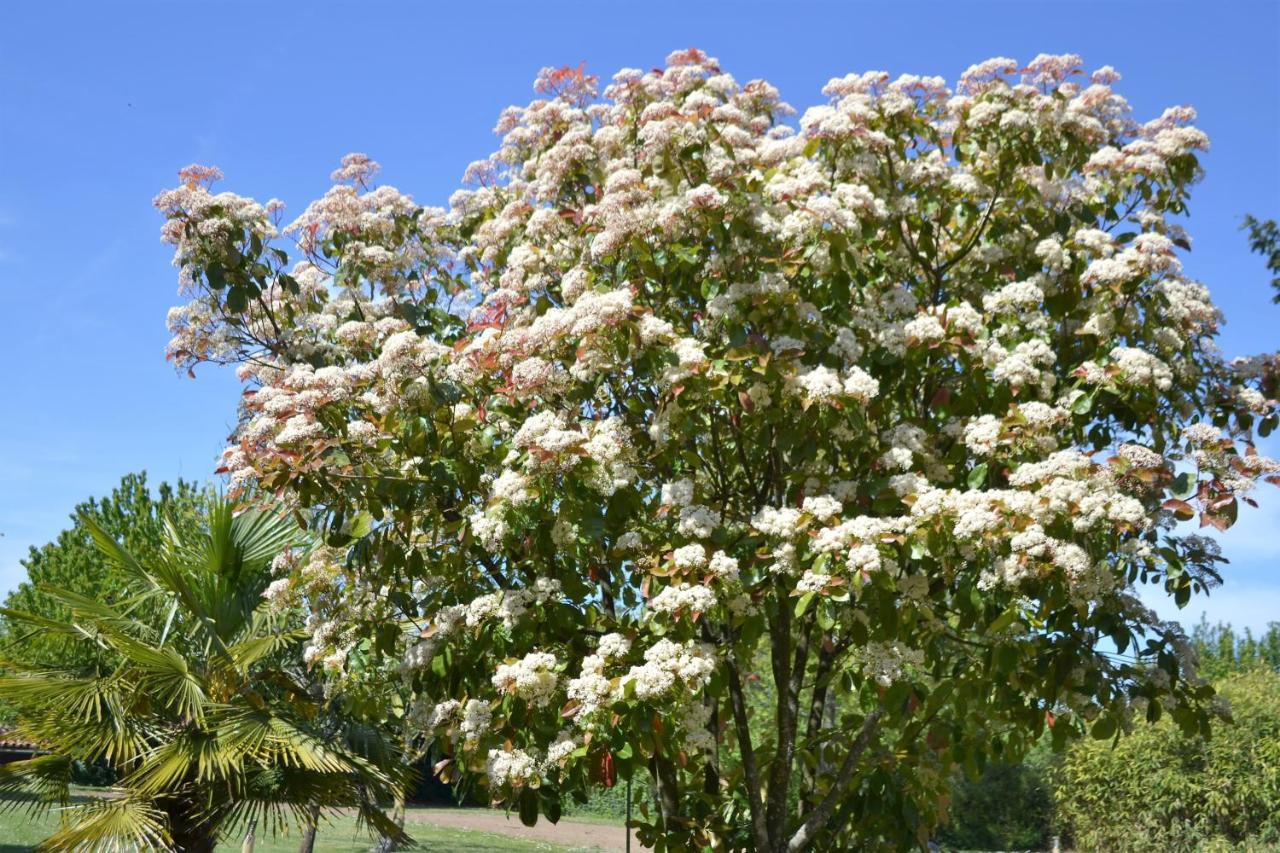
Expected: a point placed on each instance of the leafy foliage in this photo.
(186, 687)
(1264, 238)
(1222, 651)
(1008, 806)
(131, 514)
(1159, 789)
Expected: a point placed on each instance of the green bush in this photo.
(1158, 789)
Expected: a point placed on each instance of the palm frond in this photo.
(260, 535)
(39, 783)
(262, 644)
(78, 697)
(89, 612)
(88, 717)
(44, 623)
(189, 757)
(118, 554)
(123, 824)
(272, 740)
(164, 673)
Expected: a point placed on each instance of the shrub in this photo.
(1158, 789)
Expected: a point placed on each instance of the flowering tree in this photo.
(906, 402)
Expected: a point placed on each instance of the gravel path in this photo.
(568, 832)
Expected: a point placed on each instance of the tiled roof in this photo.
(9, 741)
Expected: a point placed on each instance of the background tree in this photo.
(188, 689)
(905, 403)
(130, 514)
(1007, 806)
(1223, 651)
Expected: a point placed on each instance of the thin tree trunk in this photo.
(309, 834)
(665, 788)
(759, 825)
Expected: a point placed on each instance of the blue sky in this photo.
(101, 103)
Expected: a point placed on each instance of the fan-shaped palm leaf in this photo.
(121, 824)
(39, 783)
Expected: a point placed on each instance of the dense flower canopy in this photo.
(908, 400)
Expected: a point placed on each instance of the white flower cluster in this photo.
(532, 678)
(684, 598)
(824, 385)
(692, 556)
(514, 767)
(821, 507)
(782, 522)
(678, 493)
(507, 606)
(668, 666)
(886, 663)
(1142, 369)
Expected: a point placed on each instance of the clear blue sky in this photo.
(101, 103)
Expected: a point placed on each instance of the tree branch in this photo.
(751, 774)
(804, 835)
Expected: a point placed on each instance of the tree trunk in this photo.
(665, 788)
(309, 833)
(188, 832)
(193, 841)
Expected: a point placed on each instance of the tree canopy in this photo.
(132, 514)
(906, 401)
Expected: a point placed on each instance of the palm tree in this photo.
(195, 697)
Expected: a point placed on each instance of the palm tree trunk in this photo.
(309, 834)
(189, 833)
(193, 842)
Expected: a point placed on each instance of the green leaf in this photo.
(215, 275)
(528, 806)
(826, 619)
(1104, 727)
(1184, 485)
(978, 476)
(1004, 620)
(802, 603)
(940, 695)
(1082, 405)
(551, 808)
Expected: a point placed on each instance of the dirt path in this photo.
(569, 832)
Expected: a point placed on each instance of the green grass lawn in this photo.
(20, 831)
